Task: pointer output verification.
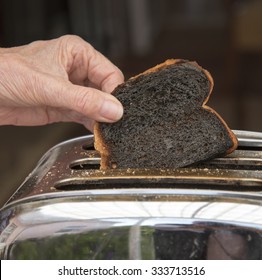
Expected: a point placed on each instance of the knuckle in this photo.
(67, 38)
(77, 46)
(75, 40)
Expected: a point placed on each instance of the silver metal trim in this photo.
(74, 165)
(249, 138)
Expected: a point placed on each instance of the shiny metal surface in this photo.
(249, 138)
(69, 209)
(74, 165)
(134, 224)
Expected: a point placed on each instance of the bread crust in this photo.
(100, 146)
(100, 143)
(231, 134)
(178, 61)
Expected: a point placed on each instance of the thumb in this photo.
(92, 103)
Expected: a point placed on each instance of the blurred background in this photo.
(223, 36)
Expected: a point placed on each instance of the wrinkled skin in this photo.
(60, 80)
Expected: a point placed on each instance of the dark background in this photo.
(223, 36)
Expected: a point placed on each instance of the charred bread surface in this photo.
(166, 123)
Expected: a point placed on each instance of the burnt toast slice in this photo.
(166, 123)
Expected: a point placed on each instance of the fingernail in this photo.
(112, 110)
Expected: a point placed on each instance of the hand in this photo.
(64, 79)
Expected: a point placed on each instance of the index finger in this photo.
(89, 65)
(104, 73)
